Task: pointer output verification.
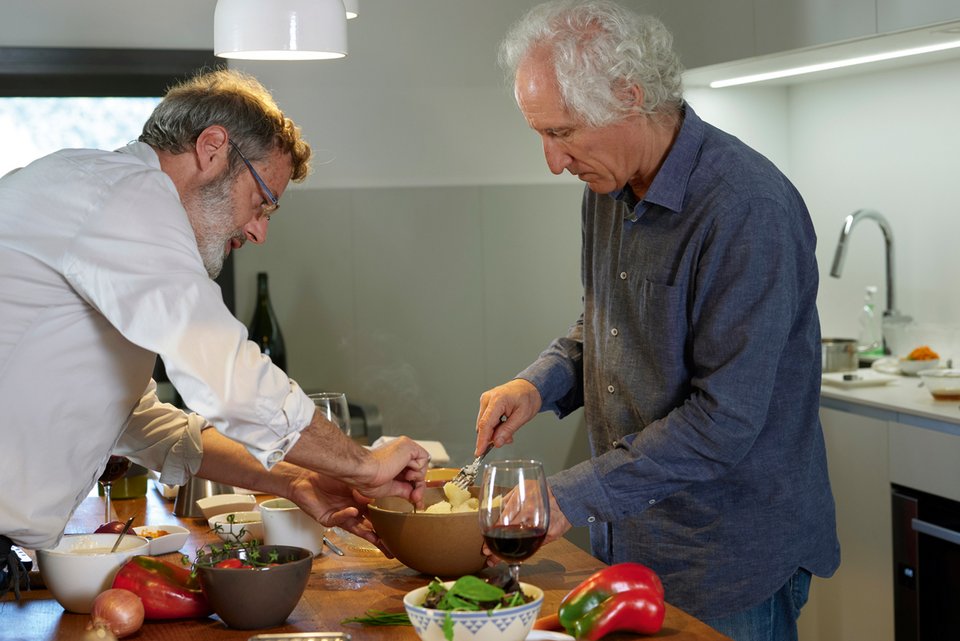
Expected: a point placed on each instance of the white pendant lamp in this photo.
(280, 29)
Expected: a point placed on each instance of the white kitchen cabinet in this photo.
(857, 602)
(925, 459)
(895, 15)
(782, 25)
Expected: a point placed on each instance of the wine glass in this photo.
(514, 510)
(116, 467)
(333, 406)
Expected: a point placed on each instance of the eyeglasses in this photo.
(268, 208)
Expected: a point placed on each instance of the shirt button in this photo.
(623, 275)
(275, 457)
(614, 331)
(591, 519)
(611, 389)
(615, 444)
(652, 501)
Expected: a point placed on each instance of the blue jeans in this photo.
(773, 620)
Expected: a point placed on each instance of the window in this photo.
(35, 127)
(52, 98)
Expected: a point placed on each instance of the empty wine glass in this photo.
(514, 510)
(334, 407)
(116, 467)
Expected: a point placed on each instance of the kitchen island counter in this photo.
(339, 587)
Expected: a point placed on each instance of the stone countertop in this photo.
(903, 400)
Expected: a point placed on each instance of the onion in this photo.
(121, 611)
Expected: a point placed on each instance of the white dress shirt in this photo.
(99, 273)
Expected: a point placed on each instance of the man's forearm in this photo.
(227, 461)
(322, 447)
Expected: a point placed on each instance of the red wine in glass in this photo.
(514, 510)
(116, 467)
(515, 542)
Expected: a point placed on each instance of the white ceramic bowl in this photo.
(223, 503)
(508, 624)
(82, 566)
(246, 525)
(172, 541)
(912, 368)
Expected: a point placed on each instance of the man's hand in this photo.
(330, 501)
(397, 468)
(517, 400)
(401, 468)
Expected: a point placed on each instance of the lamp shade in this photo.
(280, 29)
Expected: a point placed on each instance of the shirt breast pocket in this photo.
(662, 333)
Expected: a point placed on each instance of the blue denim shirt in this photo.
(697, 361)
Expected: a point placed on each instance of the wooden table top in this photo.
(339, 587)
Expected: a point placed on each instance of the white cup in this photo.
(286, 524)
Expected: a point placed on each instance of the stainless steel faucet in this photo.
(840, 255)
(890, 315)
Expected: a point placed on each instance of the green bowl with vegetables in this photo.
(494, 614)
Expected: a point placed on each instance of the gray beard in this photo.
(212, 221)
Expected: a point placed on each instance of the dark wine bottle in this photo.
(264, 328)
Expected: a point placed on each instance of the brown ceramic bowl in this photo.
(442, 545)
(437, 476)
(248, 599)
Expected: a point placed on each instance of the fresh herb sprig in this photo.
(210, 555)
(381, 618)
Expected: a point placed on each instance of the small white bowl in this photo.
(943, 384)
(912, 368)
(172, 541)
(249, 523)
(508, 624)
(81, 566)
(223, 503)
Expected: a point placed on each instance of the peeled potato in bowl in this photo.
(458, 500)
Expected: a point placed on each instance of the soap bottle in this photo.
(870, 339)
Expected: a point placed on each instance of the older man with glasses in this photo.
(106, 261)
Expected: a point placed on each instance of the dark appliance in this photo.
(926, 566)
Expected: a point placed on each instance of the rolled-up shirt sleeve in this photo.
(162, 437)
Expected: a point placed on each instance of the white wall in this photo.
(886, 141)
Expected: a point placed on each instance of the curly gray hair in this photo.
(599, 49)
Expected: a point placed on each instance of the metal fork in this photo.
(468, 473)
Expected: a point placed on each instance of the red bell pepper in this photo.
(168, 591)
(641, 610)
(602, 585)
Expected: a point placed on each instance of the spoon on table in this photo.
(126, 528)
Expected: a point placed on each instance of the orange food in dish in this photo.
(153, 534)
(922, 353)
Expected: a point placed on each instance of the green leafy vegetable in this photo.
(470, 594)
